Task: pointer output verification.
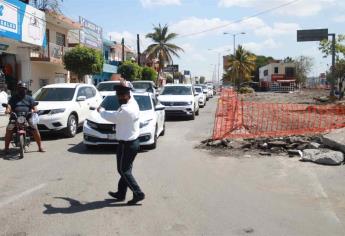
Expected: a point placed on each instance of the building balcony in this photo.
(53, 53)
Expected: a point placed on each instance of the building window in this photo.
(265, 72)
(106, 54)
(60, 39)
(289, 72)
(276, 70)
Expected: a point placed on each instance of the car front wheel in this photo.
(72, 126)
(154, 145)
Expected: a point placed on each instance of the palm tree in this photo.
(53, 5)
(241, 65)
(162, 48)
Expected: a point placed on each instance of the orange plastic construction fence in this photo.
(236, 118)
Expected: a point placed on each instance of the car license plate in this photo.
(112, 136)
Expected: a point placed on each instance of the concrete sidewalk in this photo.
(3, 121)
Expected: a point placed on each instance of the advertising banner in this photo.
(22, 22)
(91, 35)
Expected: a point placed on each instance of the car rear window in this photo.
(106, 86)
(54, 94)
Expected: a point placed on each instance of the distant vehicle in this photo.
(98, 131)
(201, 95)
(146, 85)
(210, 90)
(180, 100)
(106, 88)
(206, 91)
(64, 106)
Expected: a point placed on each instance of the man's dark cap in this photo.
(120, 89)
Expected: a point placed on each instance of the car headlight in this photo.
(56, 111)
(145, 123)
(21, 119)
(91, 124)
(190, 103)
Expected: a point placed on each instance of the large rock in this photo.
(335, 139)
(323, 156)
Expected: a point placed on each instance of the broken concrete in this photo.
(323, 156)
(335, 139)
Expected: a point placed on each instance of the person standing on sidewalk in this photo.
(127, 123)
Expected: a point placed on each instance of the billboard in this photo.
(22, 22)
(312, 35)
(91, 35)
(171, 68)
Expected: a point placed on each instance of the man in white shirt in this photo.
(127, 123)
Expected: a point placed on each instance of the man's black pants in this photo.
(126, 153)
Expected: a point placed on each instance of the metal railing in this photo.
(53, 51)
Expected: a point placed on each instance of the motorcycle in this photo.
(22, 130)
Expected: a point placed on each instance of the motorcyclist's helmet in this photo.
(22, 84)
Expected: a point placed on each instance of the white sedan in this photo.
(98, 131)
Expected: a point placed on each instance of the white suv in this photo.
(180, 100)
(64, 106)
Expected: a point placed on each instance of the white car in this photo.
(201, 96)
(106, 88)
(64, 106)
(98, 131)
(206, 91)
(146, 85)
(180, 100)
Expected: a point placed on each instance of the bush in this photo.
(245, 90)
(130, 71)
(147, 73)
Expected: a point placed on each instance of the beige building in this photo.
(46, 63)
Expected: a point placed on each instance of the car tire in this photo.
(154, 145)
(163, 131)
(197, 112)
(193, 116)
(72, 126)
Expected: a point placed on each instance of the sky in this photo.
(269, 26)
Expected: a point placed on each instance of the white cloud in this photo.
(339, 19)
(299, 8)
(262, 46)
(150, 3)
(278, 28)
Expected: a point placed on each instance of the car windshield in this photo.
(198, 89)
(177, 90)
(54, 94)
(106, 86)
(110, 103)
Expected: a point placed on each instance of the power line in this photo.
(240, 20)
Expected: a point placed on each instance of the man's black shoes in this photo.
(117, 196)
(136, 199)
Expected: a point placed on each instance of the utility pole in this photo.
(333, 66)
(123, 49)
(138, 49)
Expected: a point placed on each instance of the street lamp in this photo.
(219, 55)
(234, 36)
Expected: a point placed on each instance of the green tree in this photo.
(304, 66)
(83, 61)
(326, 47)
(340, 75)
(170, 79)
(52, 5)
(148, 73)
(130, 71)
(241, 66)
(202, 79)
(162, 47)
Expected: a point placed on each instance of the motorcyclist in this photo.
(21, 102)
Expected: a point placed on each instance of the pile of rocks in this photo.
(308, 148)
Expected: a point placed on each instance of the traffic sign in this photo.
(171, 68)
(312, 35)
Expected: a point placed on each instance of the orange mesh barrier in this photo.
(236, 118)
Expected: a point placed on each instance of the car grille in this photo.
(174, 104)
(42, 127)
(103, 128)
(175, 113)
(98, 140)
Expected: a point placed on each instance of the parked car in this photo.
(64, 106)
(146, 85)
(210, 90)
(201, 95)
(106, 88)
(98, 131)
(180, 100)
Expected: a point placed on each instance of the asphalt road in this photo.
(188, 191)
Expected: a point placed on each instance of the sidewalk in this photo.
(3, 121)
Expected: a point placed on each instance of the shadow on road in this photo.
(176, 119)
(80, 148)
(76, 206)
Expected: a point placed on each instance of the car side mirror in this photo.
(81, 98)
(92, 108)
(36, 103)
(159, 108)
(4, 105)
(196, 94)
